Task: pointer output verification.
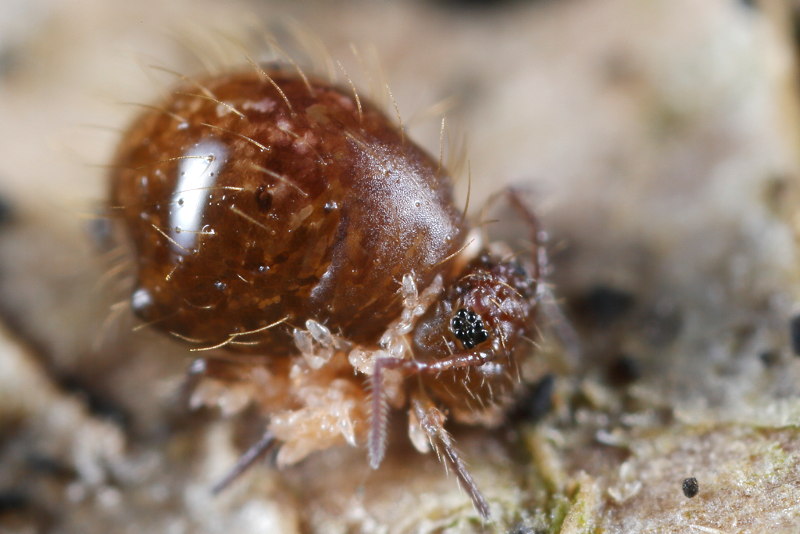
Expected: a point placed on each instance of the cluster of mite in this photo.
(292, 234)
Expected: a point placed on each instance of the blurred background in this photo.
(659, 140)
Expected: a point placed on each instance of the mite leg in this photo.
(539, 237)
(551, 311)
(220, 368)
(245, 461)
(431, 419)
(378, 408)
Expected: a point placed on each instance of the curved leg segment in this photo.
(245, 461)
(203, 367)
(558, 323)
(378, 407)
(431, 419)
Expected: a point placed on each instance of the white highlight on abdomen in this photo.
(198, 172)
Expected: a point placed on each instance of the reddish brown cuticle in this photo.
(338, 205)
(303, 228)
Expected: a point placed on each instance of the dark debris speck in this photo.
(603, 305)
(538, 401)
(690, 487)
(623, 371)
(97, 403)
(769, 357)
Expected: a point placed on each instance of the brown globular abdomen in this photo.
(291, 220)
(247, 206)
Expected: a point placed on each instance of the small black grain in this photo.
(690, 487)
(623, 371)
(769, 357)
(538, 402)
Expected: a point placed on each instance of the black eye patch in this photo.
(467, 326)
